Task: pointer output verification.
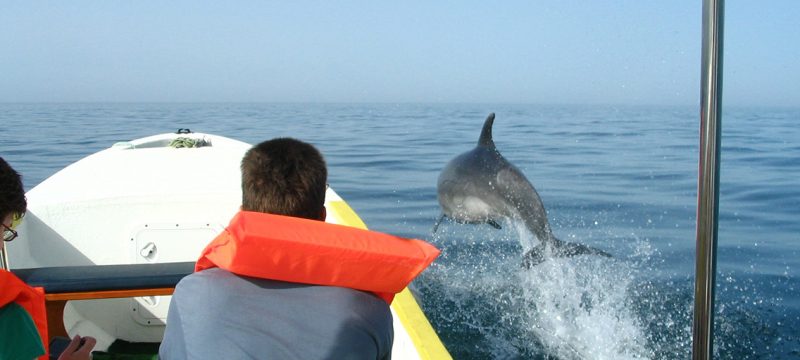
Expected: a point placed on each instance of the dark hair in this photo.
(12, 193)
(284, 176)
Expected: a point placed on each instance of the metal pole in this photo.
(708, 180)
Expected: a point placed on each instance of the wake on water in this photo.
(565, 308)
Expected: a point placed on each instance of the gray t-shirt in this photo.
(215, 314)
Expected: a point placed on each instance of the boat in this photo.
(109, 236)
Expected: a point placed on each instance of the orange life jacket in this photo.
(315, 252)
(12, 289)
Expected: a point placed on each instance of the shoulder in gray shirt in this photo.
(215, 314)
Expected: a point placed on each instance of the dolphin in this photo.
(481, 186)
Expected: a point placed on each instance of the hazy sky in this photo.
(559, 51)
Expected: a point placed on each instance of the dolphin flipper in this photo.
(494, 224)
(436, 226)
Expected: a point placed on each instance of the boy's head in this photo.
(284, 176)
(12, 193)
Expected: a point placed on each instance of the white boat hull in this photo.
(145, 202)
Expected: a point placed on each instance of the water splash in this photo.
(580, 308)
(565, 308)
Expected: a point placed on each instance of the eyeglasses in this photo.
(9, 233)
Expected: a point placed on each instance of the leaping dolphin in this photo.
(481, 186)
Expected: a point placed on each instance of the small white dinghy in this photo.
(156, 200)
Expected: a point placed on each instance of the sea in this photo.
(619, 178)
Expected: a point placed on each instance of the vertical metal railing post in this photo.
(708, 180)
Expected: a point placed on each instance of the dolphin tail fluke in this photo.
(563, 248)
(558, 248)
(533, 257)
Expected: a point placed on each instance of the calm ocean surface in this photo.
(622, 179)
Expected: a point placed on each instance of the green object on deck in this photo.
(185, 142)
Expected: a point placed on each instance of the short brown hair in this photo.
(284, 176)
(12, 193)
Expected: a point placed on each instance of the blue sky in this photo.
(563, 52)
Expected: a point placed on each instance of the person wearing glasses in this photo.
(23, 319)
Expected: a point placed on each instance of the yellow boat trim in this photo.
(425, 339)
(345, 215)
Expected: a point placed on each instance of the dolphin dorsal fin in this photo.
(486, 133)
